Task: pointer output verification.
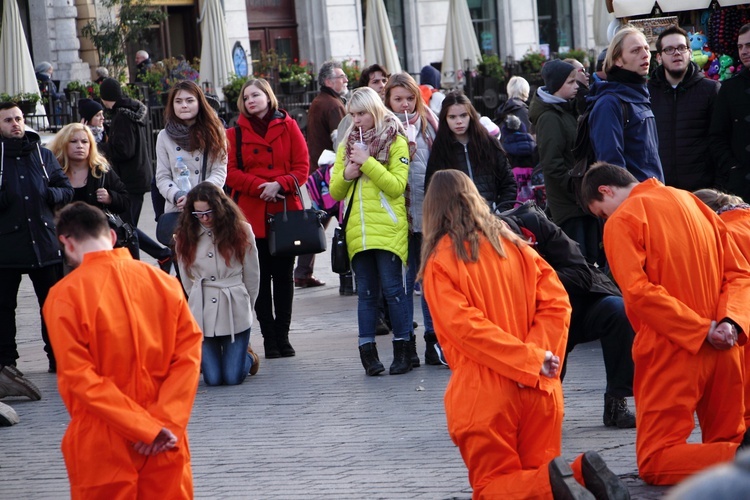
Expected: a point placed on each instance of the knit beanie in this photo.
(514, 124)
(430, 76)
(88, 108)
(42, 67)
(493, 129)
(110, 90)
(555, 72)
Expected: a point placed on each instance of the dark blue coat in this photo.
(636, 146)
(28, 194)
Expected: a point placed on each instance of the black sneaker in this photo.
(617, 414)
(13, 383)
(8, 416)
(564, 485)
(600, 480)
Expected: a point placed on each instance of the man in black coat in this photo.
(128, 152)
(682, 100)
(730, 126)
(31, 184)
(598, 308)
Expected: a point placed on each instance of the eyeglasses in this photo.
(340, 77)
(582, 70)
(200, 215)
(670, 50)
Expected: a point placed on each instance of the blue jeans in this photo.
(374, 269)
(414, 261)
(226, 362)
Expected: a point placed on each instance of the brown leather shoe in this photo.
(310, 282)
(256, 361)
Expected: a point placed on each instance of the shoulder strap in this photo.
(203, 169)
(349, 205)
(238, 145)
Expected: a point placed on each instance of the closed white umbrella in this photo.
(602, 19)
(380, 47)
(460, 45)
(17, 73)
(216, 54)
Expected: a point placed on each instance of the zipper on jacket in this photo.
(361, 215)
(384, 203)
(468, 162)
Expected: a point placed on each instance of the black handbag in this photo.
(296, 232)
(339, 252)
(125, 232)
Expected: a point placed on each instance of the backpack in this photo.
(583, 152)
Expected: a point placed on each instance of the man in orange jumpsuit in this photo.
(503, 324)
(686, 289)
(128, 358)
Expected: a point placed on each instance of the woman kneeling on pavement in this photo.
(502, 316)
(370, 172)
(218, 261)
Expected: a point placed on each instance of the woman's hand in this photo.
(270, 191)
(352, 170)
(103, 196)
(359, 155)
(181, 202)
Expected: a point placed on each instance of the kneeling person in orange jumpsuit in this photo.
(686, 288)
(735, 213)
(128, 357)
(502, 316)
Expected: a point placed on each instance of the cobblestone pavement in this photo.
(311, 426)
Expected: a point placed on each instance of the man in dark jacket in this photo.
(598, 308)
(31, 184)
(730, 126)
(128, 152)
(621, 123)
(682, 100)
(323, 117)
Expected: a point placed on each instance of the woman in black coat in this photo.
(93, 181)
(462, 143)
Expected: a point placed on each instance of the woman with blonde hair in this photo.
(268, 159)
(218, 260)
(192, 131)
(370, 173)
(93, 181)
(502, 318)
(403, 97)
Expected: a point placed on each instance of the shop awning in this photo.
(628, 8)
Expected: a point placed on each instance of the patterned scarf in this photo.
(379, 145)
(179, 133)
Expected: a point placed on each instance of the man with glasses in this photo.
(621, 123)
(323, 118)
(682, 100)
(730, 126)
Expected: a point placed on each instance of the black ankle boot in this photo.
(368, 354)
(401, 359)
(271, 347)
(431, 356)
(413, 356)
(617, 414)
(285, 348)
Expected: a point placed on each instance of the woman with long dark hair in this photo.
(273, 160)
(218, 260)
(192, 131)
(462, 143)
(371, 171)
(403, 97)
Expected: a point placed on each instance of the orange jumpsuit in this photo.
(128, 362)
(738, 225)
(495, 319)
(678, 270)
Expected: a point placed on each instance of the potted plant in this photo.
(75, 86)
(492, 70)
(26, 101)
(578, 54)
(295, 77)
(352, 71)
(232, 89)
(531, 67)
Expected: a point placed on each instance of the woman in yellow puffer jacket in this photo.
(371, 170)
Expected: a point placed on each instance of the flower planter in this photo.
(292, 88)
(27, 107)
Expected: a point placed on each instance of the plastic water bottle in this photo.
(183, 175)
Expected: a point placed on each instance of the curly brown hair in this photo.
(229, 225)
(207, 134)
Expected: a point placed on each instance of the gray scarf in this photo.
(179, 133)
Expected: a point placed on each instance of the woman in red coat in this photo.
(273, 153)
